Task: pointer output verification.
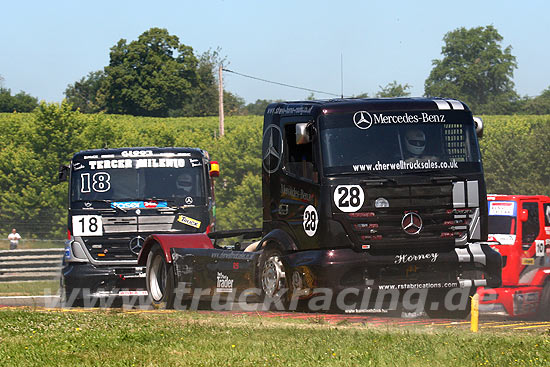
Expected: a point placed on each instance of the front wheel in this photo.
(544, 305)
(273, 278)
(160, 279)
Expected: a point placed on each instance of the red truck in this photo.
(520, 227)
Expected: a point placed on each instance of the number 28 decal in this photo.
(349, 198)
(311, 220)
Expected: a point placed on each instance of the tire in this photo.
(273, 278)
(441, 311)
(543, 312)
(160, 279)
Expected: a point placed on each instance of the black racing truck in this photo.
(118, 197)
(361, 198)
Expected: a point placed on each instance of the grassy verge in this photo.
(33, 244)
(38, 288)
(116, 338)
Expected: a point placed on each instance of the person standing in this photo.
(14, 238)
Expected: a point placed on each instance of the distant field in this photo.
(117, 338)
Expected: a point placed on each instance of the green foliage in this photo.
(539, 105)
(20, 102)
(83, 93)
(258, 108)
(476, 70)
(516, 155)
(150, 76)
(394, 89)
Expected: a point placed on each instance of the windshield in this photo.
(502, 217)
(398, 141)
(178, 180)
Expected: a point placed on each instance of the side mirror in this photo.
(523, 215)
(214, 169)
(302, 134)
(63, 173)
(478, 122)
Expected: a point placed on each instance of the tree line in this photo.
(514, 153)
(157, 75)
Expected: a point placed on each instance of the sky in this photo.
(47, 45)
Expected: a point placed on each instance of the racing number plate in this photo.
(87, 225)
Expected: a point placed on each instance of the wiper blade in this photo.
(377, 179)
(110, 202)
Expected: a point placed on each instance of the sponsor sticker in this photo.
(132, 293)
(189, 221)
(405, 258)
(223, 283)
(503, 208)
(139, 204)
(528, 261)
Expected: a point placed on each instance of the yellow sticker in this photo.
(189, 221)
(528, 261)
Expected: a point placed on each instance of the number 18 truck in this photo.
(118, 197)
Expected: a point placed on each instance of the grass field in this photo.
(33, 244)
(38, 288)
(117, 338)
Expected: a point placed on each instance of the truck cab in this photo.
(117, 198)
(519, 226)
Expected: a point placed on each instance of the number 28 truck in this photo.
(118, 197)
(359, 196)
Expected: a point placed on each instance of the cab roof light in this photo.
(214, 169)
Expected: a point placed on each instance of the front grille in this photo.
(381, 228)
(118, 231)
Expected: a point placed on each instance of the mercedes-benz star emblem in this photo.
(273, 148)
(136, 244)
(411, 223)
(362, 119)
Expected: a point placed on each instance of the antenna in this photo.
(342, 75)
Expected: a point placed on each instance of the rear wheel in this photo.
(160, 279)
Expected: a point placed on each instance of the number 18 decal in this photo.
(87, 225)
(311, 220)
(349, 198)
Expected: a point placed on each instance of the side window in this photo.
(547, 215)
(531, 226)
(299, 159)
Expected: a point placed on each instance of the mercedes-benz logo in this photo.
(188, 200)
(272, 148)
(362, 119)
(411, 223)
(136, 244)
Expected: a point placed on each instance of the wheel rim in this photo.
(157, 280)
(272, 276)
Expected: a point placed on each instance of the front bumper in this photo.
(476, 265)
(514, 302)
(85, 281)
